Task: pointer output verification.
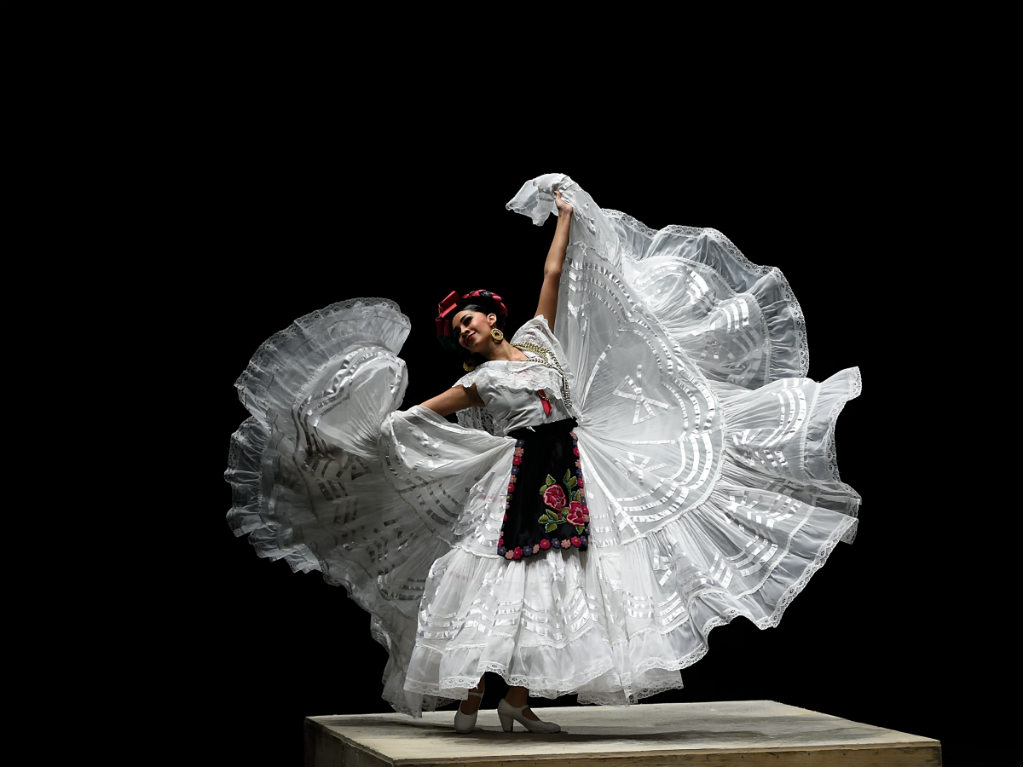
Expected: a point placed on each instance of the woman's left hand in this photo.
(562, 205)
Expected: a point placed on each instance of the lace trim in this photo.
(553, 688)
(771, 621)
(532, 376)
(604, 699)
(799, 327)
(477, 418)
(856, 388)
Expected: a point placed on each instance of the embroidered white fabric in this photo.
(708, 457)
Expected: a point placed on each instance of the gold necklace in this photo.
(548, 359)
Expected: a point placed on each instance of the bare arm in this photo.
(548, 302)
(455, 398)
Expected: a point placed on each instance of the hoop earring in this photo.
(497, 335)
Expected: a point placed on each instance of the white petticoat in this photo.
(709, 458)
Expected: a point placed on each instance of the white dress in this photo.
(708, 457)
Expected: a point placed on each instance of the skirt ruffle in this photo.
(616, 623)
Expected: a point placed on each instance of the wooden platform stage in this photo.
(724, 733)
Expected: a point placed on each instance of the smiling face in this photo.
(472, 329)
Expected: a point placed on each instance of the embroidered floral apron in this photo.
(545, 507)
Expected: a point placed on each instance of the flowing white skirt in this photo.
(728, 512)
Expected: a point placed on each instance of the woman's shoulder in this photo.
(483, 375)
(472, 378)
(536, 330)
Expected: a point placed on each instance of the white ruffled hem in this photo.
(617, 624)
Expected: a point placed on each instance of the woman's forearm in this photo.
(548, 302)
(556, 253)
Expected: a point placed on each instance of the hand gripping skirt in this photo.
(545, 507)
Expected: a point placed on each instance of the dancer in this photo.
(642, 461)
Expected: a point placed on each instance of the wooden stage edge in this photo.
(721, 733)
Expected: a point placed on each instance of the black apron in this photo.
(545, 506)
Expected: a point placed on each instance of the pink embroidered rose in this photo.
(545, 543)
(565, 543)
(576, 541)
(554, 497)
(536, 548)
(508, 555)
(575, 515)
(517, 552)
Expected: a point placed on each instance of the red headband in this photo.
(448, 304)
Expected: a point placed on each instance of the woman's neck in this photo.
(506, 351)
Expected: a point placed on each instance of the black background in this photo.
(872, 200)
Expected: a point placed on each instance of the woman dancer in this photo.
(642, 461)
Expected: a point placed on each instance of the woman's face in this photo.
(472, 329)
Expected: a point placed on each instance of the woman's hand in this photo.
(563, 207)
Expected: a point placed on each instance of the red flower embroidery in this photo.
(554, 497)
(511, 486)
(576, 541)
(576, 514)
(545, 543)
(517, 552)
(516, 460)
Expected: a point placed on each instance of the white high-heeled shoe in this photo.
(466, 722)
(508, 713)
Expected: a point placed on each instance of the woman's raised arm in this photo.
(548, 302)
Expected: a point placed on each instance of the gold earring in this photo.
(468, 367)
(497, 335)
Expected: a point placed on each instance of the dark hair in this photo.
(476, 306)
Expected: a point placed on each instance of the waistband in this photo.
(545, 429)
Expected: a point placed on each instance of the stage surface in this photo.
(722, 733)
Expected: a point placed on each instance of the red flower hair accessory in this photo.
(450, 304)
